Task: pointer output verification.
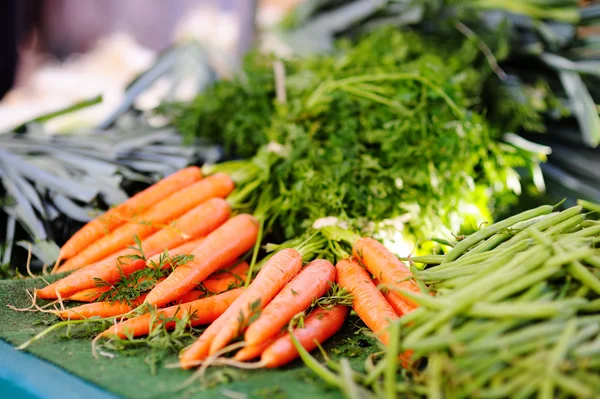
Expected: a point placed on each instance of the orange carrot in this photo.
(318, 327)
(311, 283)
(121, 214)
(175, 205)
(280, 269)
(387, 268)
(88, 295)
(190, 296)
(196, 223)
(396, 301)
(222, 281)
(224, 245)
(204, 311)
(249, 352)
(218, 282)
(274, 275)
(183, 249)
(99, 309)
(369, 302)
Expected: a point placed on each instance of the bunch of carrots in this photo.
(176, 249)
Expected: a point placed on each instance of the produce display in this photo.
(364, 236)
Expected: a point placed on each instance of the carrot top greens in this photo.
(390, 126)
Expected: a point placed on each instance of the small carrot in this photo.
(311, 283)
(99, 309)
(387, 268)
(195, 223)
(369, 302)
(250, 352)
(395, 300)
(280, 269)
(274, 275)
(175, 205)
(88, 295)
(319, 326)
(182, 249)
(202, 311)
(217, 283)
(119, 215)
(224, 245)
(222, 281)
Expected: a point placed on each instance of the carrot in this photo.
(88, 295)
(217, 283)
(175, 205)
(99, 309)
(395, 300)
(369, 302)
(182, 249)
(388, 269)
(204, 311)
(311, 283)
(195, 223)
(119, 215)
(191, 296)
(249, 352)
(280, 268)
(224, 245)
(320, 325)
(222, 281)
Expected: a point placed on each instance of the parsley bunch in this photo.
(390, 126)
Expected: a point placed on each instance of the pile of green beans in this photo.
(515, 310)
(512, 310)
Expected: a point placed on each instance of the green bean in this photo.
(489, 231)
(499, 238)
(590, 223)
(518, 285)
(570, 385)
(347, 383)
(565, 225)
(391, 358)
(527, 334)
(593, 260)
(325, 374)
(542, 225)
(428, 259)
(557, 356)
(586, 232)
(589, 205)
(532, 310)
(434, 369)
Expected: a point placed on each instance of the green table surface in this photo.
(129, 375)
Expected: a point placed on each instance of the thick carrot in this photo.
(388, 269)
(204, 311)
(224, 245)
(121, 214)
(175, 205)
(395, 300)
(99, 309)
(217, 283)
(250, 352)
(195, 223)
(274, 275)
(88, 295)
(369, 302)
(280, 269)
(311, 283)
(318, 327)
